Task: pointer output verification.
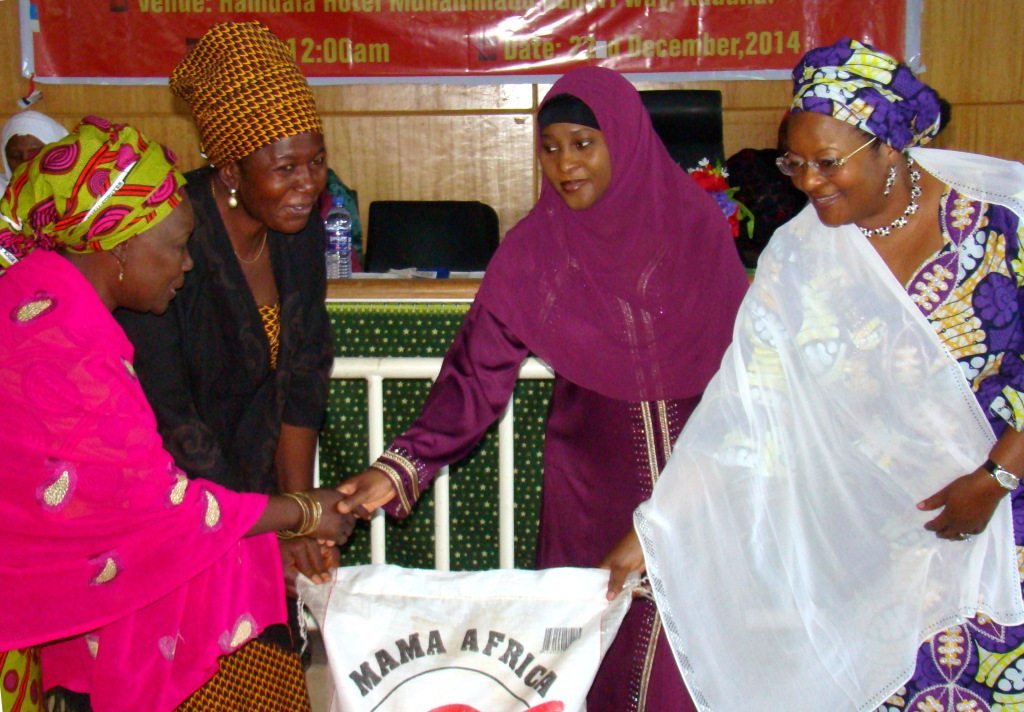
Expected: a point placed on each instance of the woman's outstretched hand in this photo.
(624, 558)
(316, 555)
(362, 494)
(313, 559)
(293, 515)
(967, 505)
(335, 526)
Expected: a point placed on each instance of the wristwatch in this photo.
(1005, 478)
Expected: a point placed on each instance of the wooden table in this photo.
(401, 289)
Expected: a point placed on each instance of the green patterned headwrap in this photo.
(93, 189)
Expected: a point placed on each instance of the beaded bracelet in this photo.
(311, 514)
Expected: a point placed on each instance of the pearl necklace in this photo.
(915, 193)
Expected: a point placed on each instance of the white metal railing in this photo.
(374, 371)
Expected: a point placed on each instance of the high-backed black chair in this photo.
(458, 235)
(689, 122)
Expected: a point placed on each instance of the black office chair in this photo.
(689, 122)
(458, 235)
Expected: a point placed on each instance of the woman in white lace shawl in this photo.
(848, 487)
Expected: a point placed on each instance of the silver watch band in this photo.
(1005, 478)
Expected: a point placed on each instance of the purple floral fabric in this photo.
(862, 86)
(971, 292)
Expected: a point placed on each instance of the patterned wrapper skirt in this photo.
(258, 677)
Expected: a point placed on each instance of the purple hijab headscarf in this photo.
(635, 296)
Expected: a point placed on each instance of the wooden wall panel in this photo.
(994, 129)
(973, 53)
(411, 157)
(427, 141)
(423, 98)
(757, 128)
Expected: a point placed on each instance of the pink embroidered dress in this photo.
(131, 578)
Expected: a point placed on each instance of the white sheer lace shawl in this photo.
(787, 556)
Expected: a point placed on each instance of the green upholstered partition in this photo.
(417, 328)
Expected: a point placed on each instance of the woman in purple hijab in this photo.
(633, 335)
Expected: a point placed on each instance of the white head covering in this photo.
(27, 123)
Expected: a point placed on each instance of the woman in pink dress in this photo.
(135, 582)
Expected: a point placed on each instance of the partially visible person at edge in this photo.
(23, 136)
(614, 326)
(136, 582)
(849, 487)
(237, 369)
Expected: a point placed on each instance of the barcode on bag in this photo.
(558, 640)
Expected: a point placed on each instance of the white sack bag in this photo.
(415, 640)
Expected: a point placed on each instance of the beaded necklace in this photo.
(915, 193)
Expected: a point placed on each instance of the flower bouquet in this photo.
(714, 179)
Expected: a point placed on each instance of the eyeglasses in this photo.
(826, 167)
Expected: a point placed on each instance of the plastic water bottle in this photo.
(338, 227)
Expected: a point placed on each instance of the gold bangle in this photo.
(311, 511)
(303, 522)
(292, 533)
(317, 514)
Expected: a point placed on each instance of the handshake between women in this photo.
(313, 513)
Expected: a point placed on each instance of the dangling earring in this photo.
(233, 199)
(890, 181)
(120, 267)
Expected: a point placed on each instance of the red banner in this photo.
(142, 40)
